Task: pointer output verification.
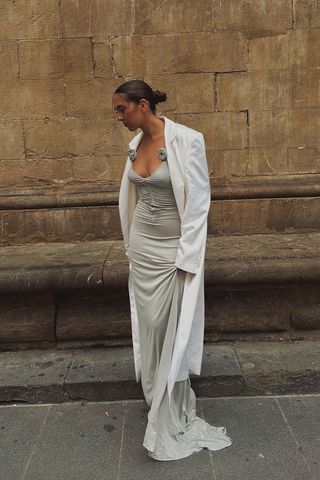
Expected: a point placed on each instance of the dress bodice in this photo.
(156, 189)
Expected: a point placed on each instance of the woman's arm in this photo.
(194, 219)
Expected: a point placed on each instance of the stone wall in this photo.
(244, 72)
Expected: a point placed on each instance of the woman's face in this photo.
(127, 112)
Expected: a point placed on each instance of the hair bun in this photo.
(159, 96)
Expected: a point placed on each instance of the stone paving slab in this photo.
(273, 438)
(19, 430)
(263, 448)
(86, 434)
(105, 374)
(302, 414)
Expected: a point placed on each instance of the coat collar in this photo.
(169, 133)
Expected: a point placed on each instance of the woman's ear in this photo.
(144, 104)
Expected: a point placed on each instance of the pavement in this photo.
(274, 438)
(80, 415)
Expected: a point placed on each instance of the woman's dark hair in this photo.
(135, 90)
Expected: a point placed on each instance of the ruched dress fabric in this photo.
(172, 432)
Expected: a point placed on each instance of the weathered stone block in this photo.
(220, 373)
(173, 16)
(104, 67)
(57, 224)
(41, 59)
(76, 18)
(53, 266)
(305, 86)
(222, 130)
(98, 169)
(48, 171)
(306, 13)
(89, 315)
(268, 161)
(255, 18)
(185, 53)
(102, 375)
(304, 47)
(10, 177)
(112, 57)
(78, 58)
(283, 215)
(254, 90)
(256, 161)
(225, 163)
(90, 99)
(35, 376)
(17, 99)
(269, 53)
(30, 19)
(36, 172)
(186, 93)
(75, 137)
(11, 140)
(9, 101)
(24, 320)
(50, 97)
(247, 310)
(306, 307)
(304, 159)
(263, 261)
(304, 127)
(87, 18)
(268, 128)
(8, 60)
(272, 368)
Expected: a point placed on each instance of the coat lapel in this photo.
(175, 165)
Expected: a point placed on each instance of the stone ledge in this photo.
(100, 264)
(222, 188)
(98, 374)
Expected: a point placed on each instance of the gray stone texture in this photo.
(273, 438)
(263, 444)
(101, 374)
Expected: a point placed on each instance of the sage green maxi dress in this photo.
(174, 432)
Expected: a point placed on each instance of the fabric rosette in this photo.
(162, 154)
(132, 154)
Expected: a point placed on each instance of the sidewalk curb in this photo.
(107, 374)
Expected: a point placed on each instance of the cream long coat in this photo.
(190, 182)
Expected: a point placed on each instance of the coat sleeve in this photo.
(198, 198)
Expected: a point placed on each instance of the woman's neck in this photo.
(153, 128)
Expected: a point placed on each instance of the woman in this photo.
(164, 202)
